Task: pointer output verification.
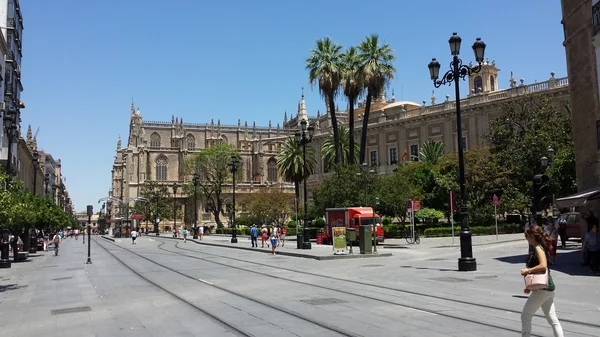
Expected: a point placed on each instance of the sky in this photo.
(84, 62)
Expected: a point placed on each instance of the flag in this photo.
(405, 154)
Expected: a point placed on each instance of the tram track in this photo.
(222, 321)
(355, 282)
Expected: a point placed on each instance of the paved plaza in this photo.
(164, 287)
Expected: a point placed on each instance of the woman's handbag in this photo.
(536, 281)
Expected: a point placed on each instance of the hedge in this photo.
(477, 230)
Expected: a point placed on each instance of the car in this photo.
(573, 224)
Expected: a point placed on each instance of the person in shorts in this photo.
(264, 236)
(273, 240)
(134, 235)
(282, 236)
(185, 234)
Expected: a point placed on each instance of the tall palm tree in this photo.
(352, 81)
(328, 150)
(290, 162)
(377, 70)
(432, 151)
(324, 68)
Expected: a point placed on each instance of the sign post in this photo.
(452, 200)
(495, 201)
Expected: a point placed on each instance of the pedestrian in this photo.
(552, 229)
(185, 234)
(201, 232)
(591, 247)
(46, 241)
(562, 230)
(56, 242)
(282, 236)
(544, 298)
(134, 235)
(264, 236)
(273, 241)
(254, 235)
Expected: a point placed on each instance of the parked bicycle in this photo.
(408, 235)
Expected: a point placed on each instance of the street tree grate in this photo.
(372, 265)
(450, 279)
(62, 278)
(70, 310)
(405, 266)
(75, 268)
(486, 277)
(323, 301)
(49, 266)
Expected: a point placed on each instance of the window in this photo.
(248, 170)
(464, 143)
(492, 88)
(478, 84)
(414, 152)
(161, 168)
(191, 142)
(374, 158)
(272, 170)
(393, 156)
(155, 140)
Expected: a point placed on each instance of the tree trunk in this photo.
(336, 134)
(363, 138)
(351, 130)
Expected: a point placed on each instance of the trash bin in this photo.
(299, 239)
(365, 240)
(350, 235)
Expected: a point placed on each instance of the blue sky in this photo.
(84, 61)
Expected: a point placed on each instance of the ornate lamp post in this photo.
(196, 182)
(36, 160)
(234, 165)
(11, 124)
(175, 186)
(458, 70)
(304, 137)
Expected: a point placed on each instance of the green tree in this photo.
(352, 82)
(340, 189)
(432, 151)
(212, 166)
(521, 135)
(270, 206)
(324, 68)
(159, 205)
(328, 149)
(394, 191)
(290, 162)
(377, 71)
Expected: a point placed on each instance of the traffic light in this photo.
(541, 191)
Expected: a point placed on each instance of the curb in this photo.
(292, 254)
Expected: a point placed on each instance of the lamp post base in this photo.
(467, 264)
(306, 245)
(233, 240)
(4, 264)
(89, 261)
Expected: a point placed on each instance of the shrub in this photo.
(477, 230)
(386, 220)
(319, 223)
(429, 215)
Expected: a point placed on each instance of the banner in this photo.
(339, 240)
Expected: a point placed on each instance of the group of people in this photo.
(273, 235)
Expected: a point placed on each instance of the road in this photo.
(162, 286)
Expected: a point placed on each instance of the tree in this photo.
(394, 191)
(432, 151)
(520, 136)
(338, 190)
(270, 206)
(159, 205)
(352, 82)
(324, 67)
(290, 162)
(212, 166)
(377, 70)
(328, 150)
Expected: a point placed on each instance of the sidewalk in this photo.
(444, 242)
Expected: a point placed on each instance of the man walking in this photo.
(134, 235)
(254, 235)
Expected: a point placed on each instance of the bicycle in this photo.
(408, 235)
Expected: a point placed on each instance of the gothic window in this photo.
(161, 168)
(191, 142)
(492, 88)
(478, 83)
(272, 170)
(248, 170)
(155, 140)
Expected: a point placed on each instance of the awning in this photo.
(578, 199)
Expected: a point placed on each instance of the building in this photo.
(581, 25)
(30, 170)
(158, 151)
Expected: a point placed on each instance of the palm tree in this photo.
(351, 62)
(324, 67)
(328, 150)
(377, 70)
(289, 162)
(432, 151)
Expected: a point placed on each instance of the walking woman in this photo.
(538, 264)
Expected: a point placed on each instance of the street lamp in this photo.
(458, 70)
(36, 160)
(196, 182)
(303, 137)
(175, 186)
(541, 187)
(11, 124)
(234, 165)
(367, 178)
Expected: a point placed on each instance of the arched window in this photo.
(272, 170)
(492, 87)
(155, 140)
(161, 168)
(478, 83)
(191, 142)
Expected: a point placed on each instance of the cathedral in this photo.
(158, 150)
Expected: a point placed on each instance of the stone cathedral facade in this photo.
(158, 150)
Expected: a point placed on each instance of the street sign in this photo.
(495, 200)
(452, 201)
(416, 205)
(409, 205)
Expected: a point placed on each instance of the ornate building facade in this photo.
(158, 150)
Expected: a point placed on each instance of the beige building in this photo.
(30, 172)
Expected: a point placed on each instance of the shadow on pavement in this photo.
(7, 287)
(567, 261)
